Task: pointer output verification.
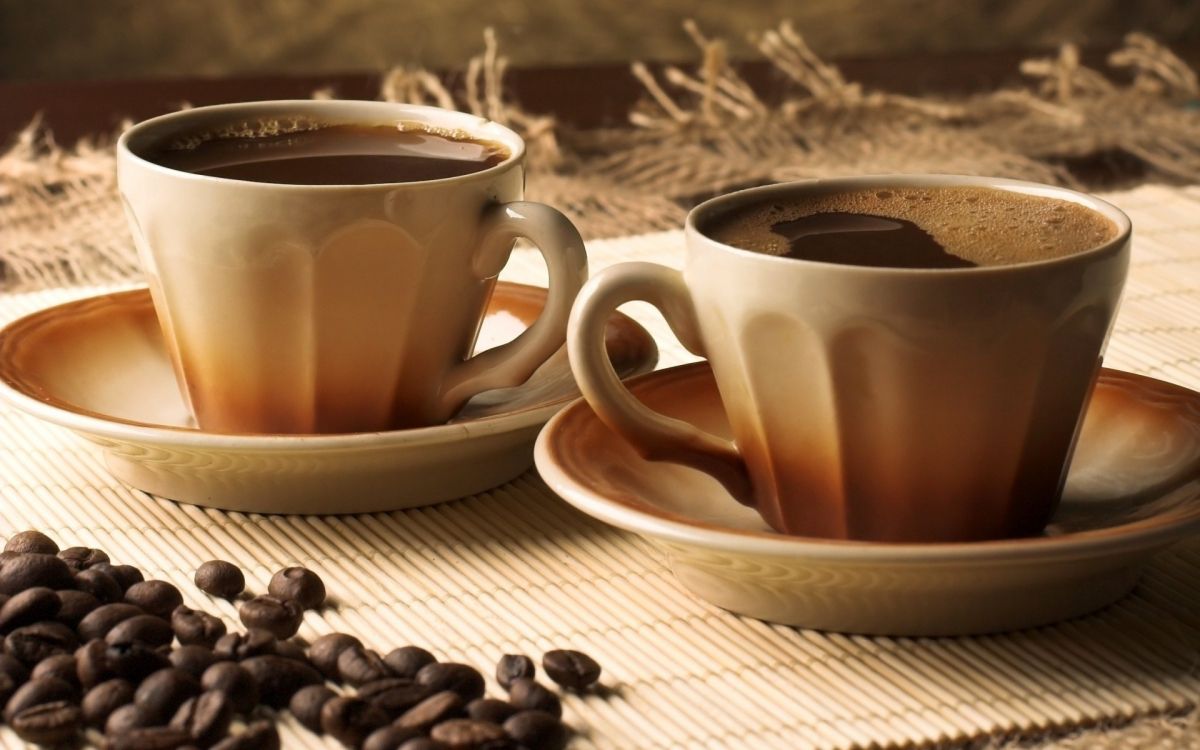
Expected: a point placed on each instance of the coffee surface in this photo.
(944, 227)
(333, 154)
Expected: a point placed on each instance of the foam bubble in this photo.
(983, 225)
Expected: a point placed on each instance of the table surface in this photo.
(638, 589)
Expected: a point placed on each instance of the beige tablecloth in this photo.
(517, 570)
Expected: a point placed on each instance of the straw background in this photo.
(517, 570)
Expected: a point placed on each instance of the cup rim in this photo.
(474, 125)
(1114, 246)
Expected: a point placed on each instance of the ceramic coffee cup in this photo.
(338, 308)
(867, 402)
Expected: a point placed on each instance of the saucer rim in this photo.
(1159, 530)
(115, 428)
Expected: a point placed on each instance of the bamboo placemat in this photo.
(517, 570)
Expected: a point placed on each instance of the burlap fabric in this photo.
(697, 133)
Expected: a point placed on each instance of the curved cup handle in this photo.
(656, 437)
(562, 248)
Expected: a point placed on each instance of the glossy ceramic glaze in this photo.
(336, 308)
(99, 367)
(873, 403)
(1132, 490)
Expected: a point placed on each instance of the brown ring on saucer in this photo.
(29, 344)
(570, 441)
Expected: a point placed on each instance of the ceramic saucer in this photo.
(98, 366)
(1133, 489)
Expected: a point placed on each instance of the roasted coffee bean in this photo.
(513, 666)
(48, 723)
(433, 710)
(192, 659)
(9, 682)
(280, 617)
(358, 666)
(74, 606)
(149, 738)
(161, 694)
(31, 569)
(61, 666)
(466, 734)
(238, 646)
(406, 661)
(291, 650)
(37, 692)
(103, 699)
(259, 735)
(226, 647)
(490, 709)
(573, 670)
(422, 743)
(134, 660)
(394, 695)
(8, 686)
(279, 678)
(306, 705)
(12, 668)
(237, 684)
(461, 678)
(82, 558)
(29, 606)
(326, 649)
(349, 720)
(124, 575)
(91, 663)
(530, 695)
(537, 730)
(31, 541)
(155, 597)
(193, 626)
(206, 717)
(148, 629)
(504, 743)
(301, 585)
(220, 578)
(32, 643)
(124, 719)
(104, 618)
(390, 737)
(99, 584)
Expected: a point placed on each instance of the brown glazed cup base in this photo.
(98, 366)
(1133, 489)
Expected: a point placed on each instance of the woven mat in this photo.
(517, 570)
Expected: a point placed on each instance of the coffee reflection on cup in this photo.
(901, 359)
(324, 266)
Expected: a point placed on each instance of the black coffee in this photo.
(950, 227)
(355, 154)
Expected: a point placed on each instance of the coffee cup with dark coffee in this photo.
(324, 266)
(901, 358)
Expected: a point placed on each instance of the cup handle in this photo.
(562, 248)
(655, 436)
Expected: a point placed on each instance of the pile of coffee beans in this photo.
(93, 647)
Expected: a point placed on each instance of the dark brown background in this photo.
(71, 39)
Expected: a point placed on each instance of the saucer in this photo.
(98, 367)
(1133, 489)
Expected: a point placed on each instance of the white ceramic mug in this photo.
(866, 402)
(338, 308)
